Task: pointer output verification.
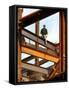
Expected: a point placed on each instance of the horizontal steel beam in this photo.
(44, 50)
(35, 68)
(39, 54)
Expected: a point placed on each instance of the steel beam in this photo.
(36, 16)
(48, 51)
(27, 59)
(39, 54)
(26, 33)
(35, 68)
(42, 62)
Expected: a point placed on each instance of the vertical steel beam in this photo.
(37, 33)
(20, 11)
(62, 40)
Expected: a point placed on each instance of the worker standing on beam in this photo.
(44, 33)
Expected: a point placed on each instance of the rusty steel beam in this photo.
(26, 33)
(38, 15)
(39, 54)
(27, 59)
(36, 44)
(40, 49)
(42, 62)
(52, 74)
(62, 42)
(35, 68)
(19, 74)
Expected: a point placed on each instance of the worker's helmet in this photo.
(44, 26)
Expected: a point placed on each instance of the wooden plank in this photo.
(35, 68)
(39, 54)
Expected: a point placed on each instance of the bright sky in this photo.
(52, 25)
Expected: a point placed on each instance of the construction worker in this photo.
(44, 33)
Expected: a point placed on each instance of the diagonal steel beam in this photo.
(28, 58)
(42, 62)
(26, 33)
(25, 60)
(36, 16)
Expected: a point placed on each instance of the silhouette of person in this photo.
(44, 33)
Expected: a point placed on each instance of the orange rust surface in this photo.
(39, 54)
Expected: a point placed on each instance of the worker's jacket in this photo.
(44, 31)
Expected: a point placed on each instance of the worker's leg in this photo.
(45, 37)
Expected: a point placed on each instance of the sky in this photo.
(52, 25)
